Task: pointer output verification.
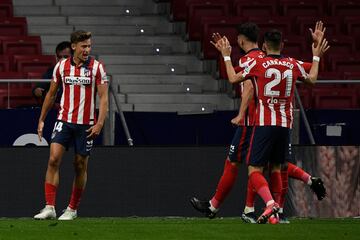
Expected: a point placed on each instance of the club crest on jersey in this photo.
(78, 80)
(87, 73)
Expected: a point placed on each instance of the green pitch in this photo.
(176, 228)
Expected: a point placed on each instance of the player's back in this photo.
(274, 79)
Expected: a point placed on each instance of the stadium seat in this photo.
(33, 63)
(345, 63)
(266, 23)
(344, 8)
(353, 27)
(305, 94)
(341, 44)
(352, 75)
(34, 75)
(4, 63)
(294, 46)
(226, 26)
(13, 26)
(245, 8)
(330, 75)
(305, 22)
(197, 11)
(293, 9)
(6, 9)
(24, 45)
(335, 98)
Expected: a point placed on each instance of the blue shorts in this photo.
(269, 144)
(240, 144)
(65, 133)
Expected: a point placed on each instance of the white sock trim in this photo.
(270, 203)
(212, 208)
(249, 209)
(309, 182)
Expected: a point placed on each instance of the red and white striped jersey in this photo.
(243, 63)
(78, 100)
(274, 79)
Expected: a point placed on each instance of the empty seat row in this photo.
(181, 9)
(26, 63)
(24, 45)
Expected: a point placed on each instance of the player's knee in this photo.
(54, 162)
(80, 166)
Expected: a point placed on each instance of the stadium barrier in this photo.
(158, 181)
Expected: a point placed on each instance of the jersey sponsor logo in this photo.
(232, 149)
(78, 80)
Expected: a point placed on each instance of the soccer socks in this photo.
(285, 186)
(50, 194)
(261, 187)
(298, 173)
(225, 184)
(276, 185)
(250, 196)
(75, 198)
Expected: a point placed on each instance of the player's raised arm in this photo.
(224, 46)
(318, 52)
(318, 33)
(246, 96)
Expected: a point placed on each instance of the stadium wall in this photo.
(158, 181)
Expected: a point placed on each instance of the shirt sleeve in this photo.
(305, 65)
(303, 75)
(250, 70)
(56, 77)
(101, 77)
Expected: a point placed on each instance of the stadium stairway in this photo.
(151, 66)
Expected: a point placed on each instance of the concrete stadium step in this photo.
(176, 43)
(222, 101)
(145, 69)
(153, 20)
(46, 20)
(191, 62)
(205, 81)
(101, 3)
(179, 108)
(96, 30)
(41, 29)
(159, 88)
(36, 11)
(99, 10)
(32, 3)
(120, 49)
(126, 30)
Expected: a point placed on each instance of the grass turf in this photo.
(176, 228)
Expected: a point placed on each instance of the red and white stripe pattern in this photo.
(79, 88)
(275, 108)
(244, 63)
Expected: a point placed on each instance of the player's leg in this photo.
(83, 147)
(285, 188)
(237, 151)
(59, 141)
(248, 215)
(315, 183)
(259, 152)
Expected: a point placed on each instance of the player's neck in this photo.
(250, 46)
(268, 52)
(78, 62)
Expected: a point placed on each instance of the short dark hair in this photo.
(273, 39)
(79, 36)
(63, 45)
(250, 30)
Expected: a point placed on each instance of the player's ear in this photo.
(73, 46)
(263, 47)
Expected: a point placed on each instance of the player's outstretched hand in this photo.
(321, 48)
(236, 120)
(94, 131)
(40, 129)
(216, 38)
(318, 33)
